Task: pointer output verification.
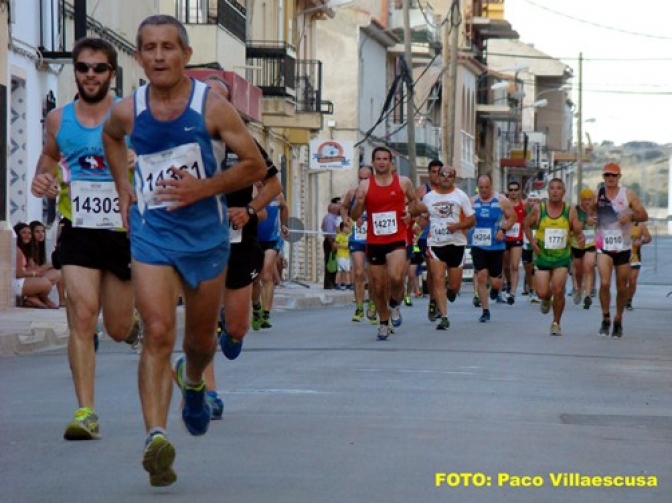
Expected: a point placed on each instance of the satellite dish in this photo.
(296, 229)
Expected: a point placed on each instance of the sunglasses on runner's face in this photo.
(610, 175)
(82, 67)
(446, 174)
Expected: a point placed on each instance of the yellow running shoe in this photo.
(84, 425)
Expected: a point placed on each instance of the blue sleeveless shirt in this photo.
(83, 155)
(358, 234)
(183, 142)
(488, 217)
(268, 229)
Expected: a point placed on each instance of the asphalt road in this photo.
(317, 410)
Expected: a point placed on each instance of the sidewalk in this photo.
(25, 330)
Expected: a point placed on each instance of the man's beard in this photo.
(93, 98)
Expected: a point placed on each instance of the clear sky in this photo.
(627, 68)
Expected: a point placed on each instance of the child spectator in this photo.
(343, 257)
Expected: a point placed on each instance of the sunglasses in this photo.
(82, 67)
(513, 190)
(609, 175)
(445, 174)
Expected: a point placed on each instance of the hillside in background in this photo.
(645, 167)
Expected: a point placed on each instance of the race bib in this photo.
(555, 239)
(514, 231)
(589, 236)
(360, 232)
(95, 205)
(385, 223)
(156, 167)
(612, 240)
(440, 232)
(482, 237)
(235, 235)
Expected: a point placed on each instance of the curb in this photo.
(40, 337)
(311, 300)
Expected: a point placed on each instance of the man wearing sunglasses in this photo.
(617, 209)
(93, 249)
(450, 215)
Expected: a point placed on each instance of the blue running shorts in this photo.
(194, 267)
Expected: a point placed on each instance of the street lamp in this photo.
(563, 87)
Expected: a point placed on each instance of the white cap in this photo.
(533, 195)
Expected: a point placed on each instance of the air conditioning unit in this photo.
(544, 164)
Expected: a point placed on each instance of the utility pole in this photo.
(445, 93)
(454, 25)
(410, 102)
(579, 132)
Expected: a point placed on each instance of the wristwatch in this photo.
(250, 210)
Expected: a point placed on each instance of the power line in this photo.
(598, 25)
(545, 58)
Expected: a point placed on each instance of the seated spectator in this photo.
(30, 283)
(40, 259)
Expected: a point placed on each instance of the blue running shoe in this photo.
(230, 346)
(395, 316)
(384, 331)
(157, 460)
(485, 317)
(216, 404)
(195, 409)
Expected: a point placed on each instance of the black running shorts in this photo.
(245, 264)
(100, 249)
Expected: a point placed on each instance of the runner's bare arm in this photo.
(576, 226)
(284, 216)
(117, 126)
(43, 183)
(345, 205)
(411, 196)
(646, 235)
(419, 209)
(360, 198)
(223, 121)
(509, 213)
(532, 220)
(639, 213)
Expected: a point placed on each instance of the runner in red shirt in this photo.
(384, 196)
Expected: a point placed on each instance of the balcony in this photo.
(427, 140)
(292, 88)
(229, 14)
(523, 150)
